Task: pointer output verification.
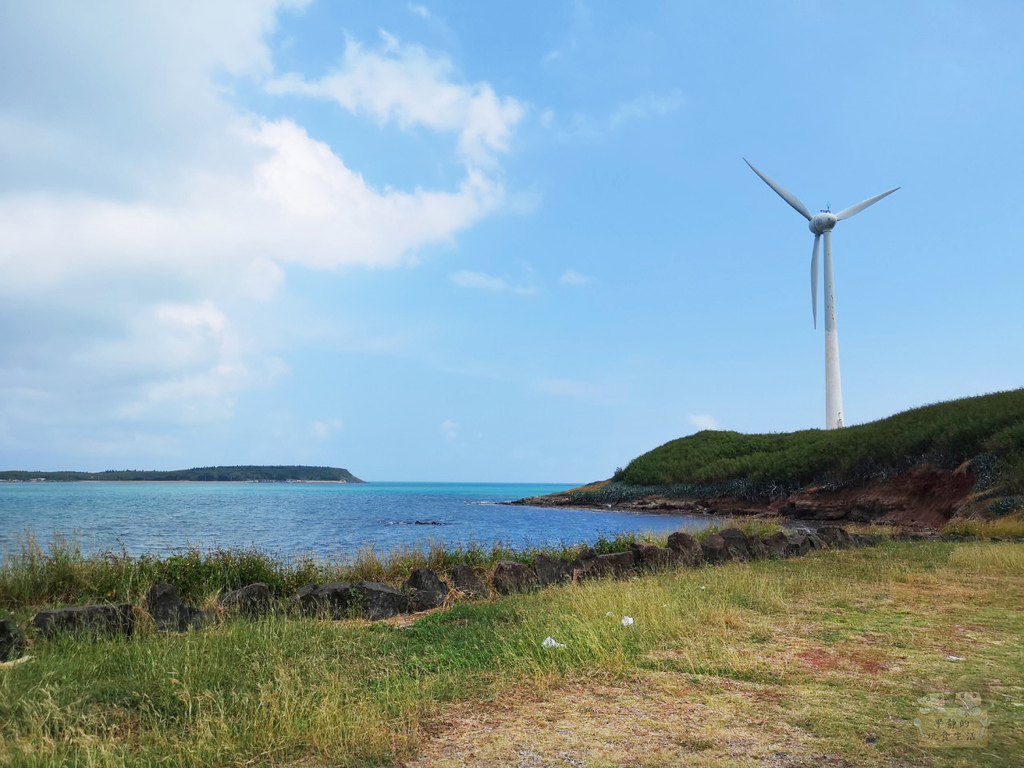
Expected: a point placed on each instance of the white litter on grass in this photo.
(703, 587)
(954, 658)
(550, 642)
(627, 621)
(609, 613)
(15, 662)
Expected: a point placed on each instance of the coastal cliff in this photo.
(919, 468)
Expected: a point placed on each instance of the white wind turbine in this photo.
(822, 224)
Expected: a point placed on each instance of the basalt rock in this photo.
(252, 601)
(816, 542)
(689, 548)
(305, 602)
(653, 558)
(425, 589)
(11, 642)
(551, 570)
(716, 550)
(737, 543)
(341, 600)
(465, 580)
(116, 619)
(379, 601)
(776, 544)
(510, 577)
(835, 537)
(617, 564)
(169, 613)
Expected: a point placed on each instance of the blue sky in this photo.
(491, 241)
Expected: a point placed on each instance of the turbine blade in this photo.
(853, 210)
(814, 281)
(787, 196)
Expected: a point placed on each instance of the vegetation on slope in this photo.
(988, 430)
(267, 474)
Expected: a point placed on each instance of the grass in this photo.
(727, 666)
(61, 574)
(987, 430)
(1009, 527)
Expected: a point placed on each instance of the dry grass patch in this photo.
(654, 719)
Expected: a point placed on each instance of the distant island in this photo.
(245, 474)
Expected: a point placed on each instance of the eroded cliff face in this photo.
(923, 497)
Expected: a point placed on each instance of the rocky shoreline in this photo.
(926, 497)
(424, 590)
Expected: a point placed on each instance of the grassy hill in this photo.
(266, 474)
(988, 430)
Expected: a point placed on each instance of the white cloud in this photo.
(572, 277)
(468, 279)
(645, 106)
(703, 421)
(324, 429)
(591, 128)
(406, 85)
(577, 390)
(420, 10)
(450, 430)
(142, 214)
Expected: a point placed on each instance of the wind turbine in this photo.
(822, 224)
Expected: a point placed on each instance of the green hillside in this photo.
(988, 429)
(268, 474)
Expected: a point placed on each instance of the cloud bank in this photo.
(144, 214)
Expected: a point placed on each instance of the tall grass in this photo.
(309, 692)
(60, 573)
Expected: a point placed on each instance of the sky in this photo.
(502, 241)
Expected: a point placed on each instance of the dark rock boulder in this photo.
(117, 619)
(622, 563)
(169, 613)
(959, 537)
(835, 537)
(715, 550)
(911, 536)
(305, 602)
(689, 548)
(327, 601)
(425, 589)
(342, 600)
(11, 641)
(815, 541)
(510, 577)
(617, 564)
(797, 544)
(465, 580)
(252, 601)
(737, 543)
(758, 551)
(776, 545)
(652, 558)
(379, 601)
(551, 570)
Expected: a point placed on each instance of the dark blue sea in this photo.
(323, 519)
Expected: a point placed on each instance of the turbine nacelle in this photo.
(823, 222)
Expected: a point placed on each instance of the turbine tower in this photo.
(822, 224)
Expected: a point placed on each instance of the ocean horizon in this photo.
(326, 520)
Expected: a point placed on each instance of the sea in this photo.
(326, 520)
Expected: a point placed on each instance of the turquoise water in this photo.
(286, 518)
